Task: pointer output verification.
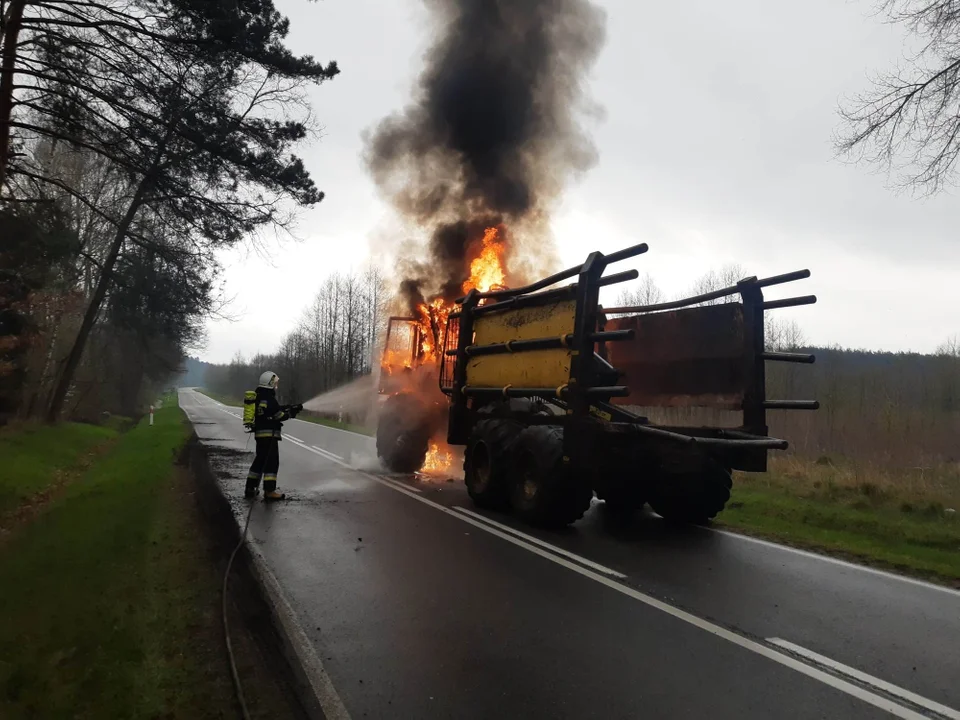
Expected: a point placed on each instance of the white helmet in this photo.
(269, 379)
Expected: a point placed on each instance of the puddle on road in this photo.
(334, 485)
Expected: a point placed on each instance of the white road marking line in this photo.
(537, 541)
(310, 449)
(396, 484)
(295, 438)
(328, 455)
(837, 561)
(334, 458)
(338, 457)
(862, 677)
(746, 643)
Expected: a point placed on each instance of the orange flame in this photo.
(486, 270)
(437, 461)
(394, 359)
(486, 273)
(433, 325)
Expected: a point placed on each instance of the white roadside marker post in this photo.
(151, 414)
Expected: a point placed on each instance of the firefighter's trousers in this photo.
(265, 465)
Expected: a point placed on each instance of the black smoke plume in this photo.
(492, 135)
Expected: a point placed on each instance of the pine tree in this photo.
(190, 102)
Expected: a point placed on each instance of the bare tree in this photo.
(727, 276)
(782, 334)
(950, 347)
(375, 288)
(645, 292)
(909, 122)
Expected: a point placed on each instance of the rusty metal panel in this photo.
(693, 357)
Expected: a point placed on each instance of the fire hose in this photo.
(238, 688)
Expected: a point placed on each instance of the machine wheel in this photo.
(486, 462)
(543, 489)
(691, 497)
(403, 433)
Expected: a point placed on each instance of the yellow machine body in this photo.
(537, 368)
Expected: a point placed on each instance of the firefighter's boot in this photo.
(270, 492)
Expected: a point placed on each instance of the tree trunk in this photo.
(11, 34)
(93, 309)
(47, 361)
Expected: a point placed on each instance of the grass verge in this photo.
(37, 458)
(225, 399)
(111, 598)
(881, 517)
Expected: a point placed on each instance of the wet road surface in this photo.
(421, 606)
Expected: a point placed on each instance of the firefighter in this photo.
(268, 420)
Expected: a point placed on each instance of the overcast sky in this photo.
(714, 148)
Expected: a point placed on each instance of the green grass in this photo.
(37, 457)
(120, 423)
(881, 517)
(225, 399)
(109, 602)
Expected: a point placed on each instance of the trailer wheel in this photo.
(403, 433)
(543, 490)
(486, 463)
(691, 497)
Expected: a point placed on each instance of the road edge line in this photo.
(813, 555)
(321, 686)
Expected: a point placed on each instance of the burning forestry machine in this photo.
(412, 408)
(546, 390)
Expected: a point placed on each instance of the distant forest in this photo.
(333, 343)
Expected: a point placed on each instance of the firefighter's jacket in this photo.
(269, 417)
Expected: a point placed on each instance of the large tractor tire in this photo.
(403, 434)
(543, 489)
(693, 497)
(487, 463)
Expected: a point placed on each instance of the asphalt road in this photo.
(417, 605)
